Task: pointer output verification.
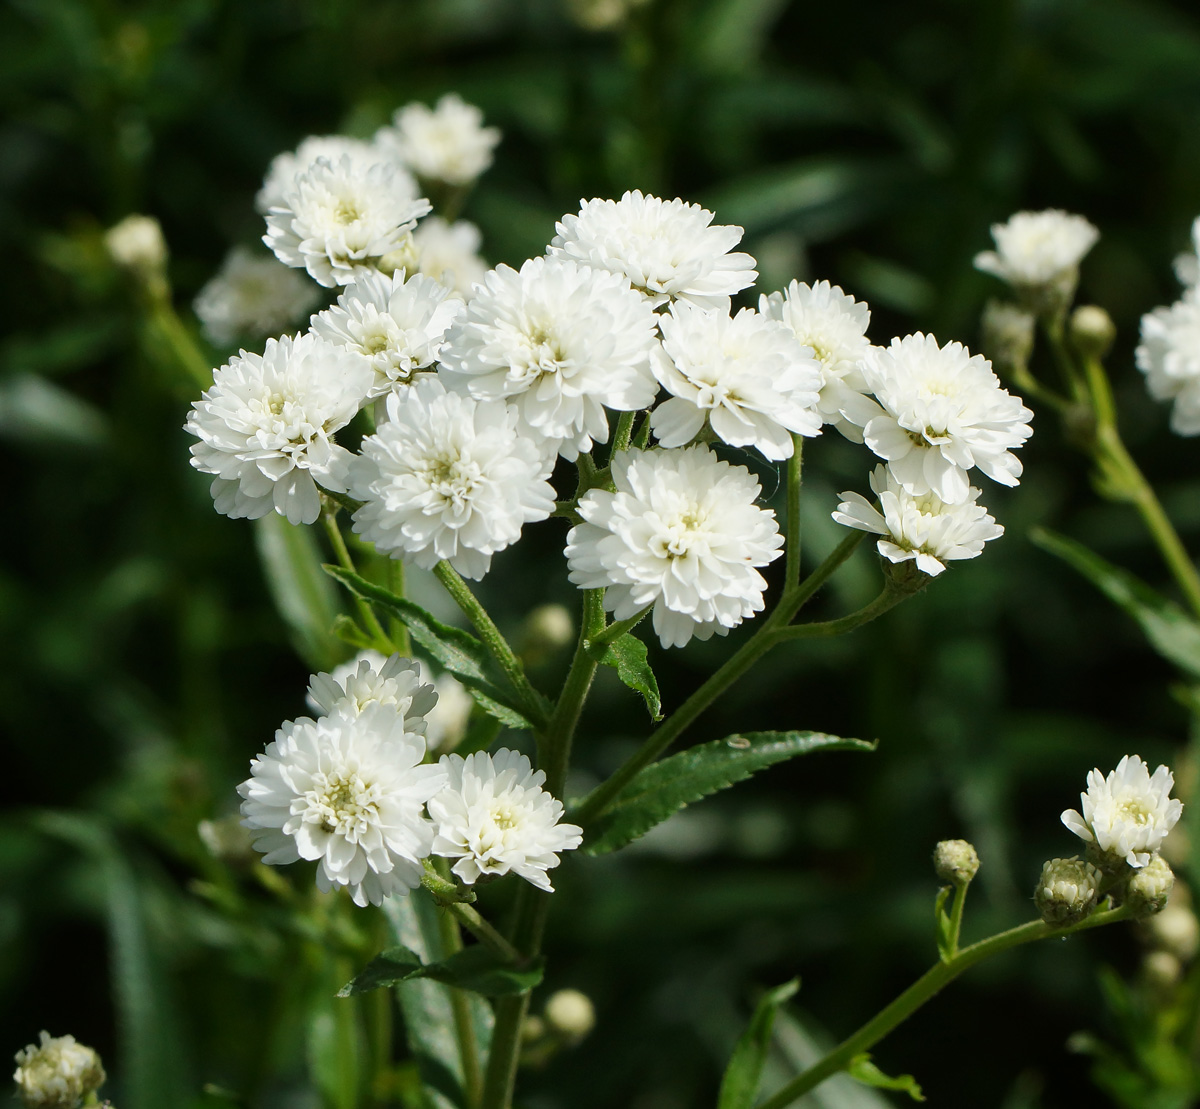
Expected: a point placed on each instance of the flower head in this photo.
(374, 679)
(1066, 891)
(923, 528)
(137, 243)
(447, 143)
(493, 816)
(266, 426)
(57, 1073)
(681, 533)
(561, 341)
(1187, 266)
(448, 477)
(253, 296)
(447, 252)
(287, 167)
(1128, 814)
(1169, 356)
(1038, 249)
(347, 790)
(666, 249)
(336, 219)
(747, 376)
(397, 326)
(941, 412)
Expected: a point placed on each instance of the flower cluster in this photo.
(57, 1073)
(351, 790)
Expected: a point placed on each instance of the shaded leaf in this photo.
(476, 968)
(1171, 631)
(942, 917)
(861, 1069)
(670, 784)
(334, 1042)
(457, 651)
(744, 1073)
(628, 656)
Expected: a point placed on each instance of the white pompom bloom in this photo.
(923, 528)
(1128, 814)
(57, 1073)
(287, 167)
(253, 296)
(336, 219)
(681, 533)
(1187, 266)
(448, 477)
(1169, 356)
(1038, 249)
(266, 427)
(834, 325)
(561, 341)
(446, 143)
(447, 252)
(747, 376)
(941, 412)
(137, 243)
(494, 817)
(397, 326)
(666, 249)
(348, 792)
(372, 678)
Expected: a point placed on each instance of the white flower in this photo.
(373, 678)
(266, 427)
(57, 1073)
(562, 341)
(1169, 356)
(346, 790)
(747, 376)
(923, 528)
(252, 296)
(447, 143)
(336, 219)
(681, 533)
(449, 718)
(396, 325)
(834, 325)
(1187, 266)
(137, 243)
(666, 249)
(1128, 814)
(448, 477)
(493, 816)
(941, 412)
(286, 168)
(449, 253)
(1038, 249)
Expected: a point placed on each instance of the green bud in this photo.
(956, 861)
(1149, 887)
(1092, 331)
(1067, 891)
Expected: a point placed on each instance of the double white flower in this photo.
(1169, 356)
(446, 143)
(253, 296)
(1038, 249)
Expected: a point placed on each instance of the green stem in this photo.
(464, 1022)
(492, 639)
(342, 553)
(617, 629)
(933, 980)
(623, 433)
(398, 629)
(554, 748)
(1054, 332)
(791, 574)
(795, 599)
(956, 915)
(826, 629)
(190, 357)
(450, 897)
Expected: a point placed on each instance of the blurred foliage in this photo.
(142, 662)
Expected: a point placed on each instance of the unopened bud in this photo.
(227, 840)
(1176, 930)
(547, 630)
(137, 243)
(1007, 334)
(1092, 330)
(1149, 887)
(58, 1073)
(570, 1014)
(956, 861)
(1067, 891)
(533, 1028)
(1161, 969)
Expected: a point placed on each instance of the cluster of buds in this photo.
(57, 1073)
(566, 1020)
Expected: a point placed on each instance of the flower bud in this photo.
(1007, 334)
(1176, 930)
(58, 1073)
(1067, 891)
(956, 861)
(547, 630)
(533, 1028)
(1161, 969)
(227, 840)
(1149, 887)
(137, 243)
(570, 1014)
(1092, 330)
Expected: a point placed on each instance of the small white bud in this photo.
(1150, 886)
(956, 861)
(1092, 330)
(1007, 334)
(1067, 891)
(547, 630)
(533, 1028)
(1176, 930)
(58, 1073)
(1161, 969)
(570, 1014)
(137, 243)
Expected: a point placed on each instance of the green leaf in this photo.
(457, 651)
(942, 917)
(334, 1043)
(628, 656)
(476, 968)
(861, 1069)
(740, 1084)
(670, 784)
(1172, 633)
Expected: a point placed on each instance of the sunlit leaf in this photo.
(628, 656)
(861, 1069)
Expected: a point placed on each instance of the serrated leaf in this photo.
(740, 1084)
(628, 656)
(1170, 630)
(478, 969)
(861, 1069)
(670, 784)
(457, 651)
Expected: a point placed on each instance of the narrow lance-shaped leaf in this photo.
(1171, 631)
(628, 656)
(477, 968)
(457, 651)
(861, 1069)
(740, 1084)
(668, 785)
